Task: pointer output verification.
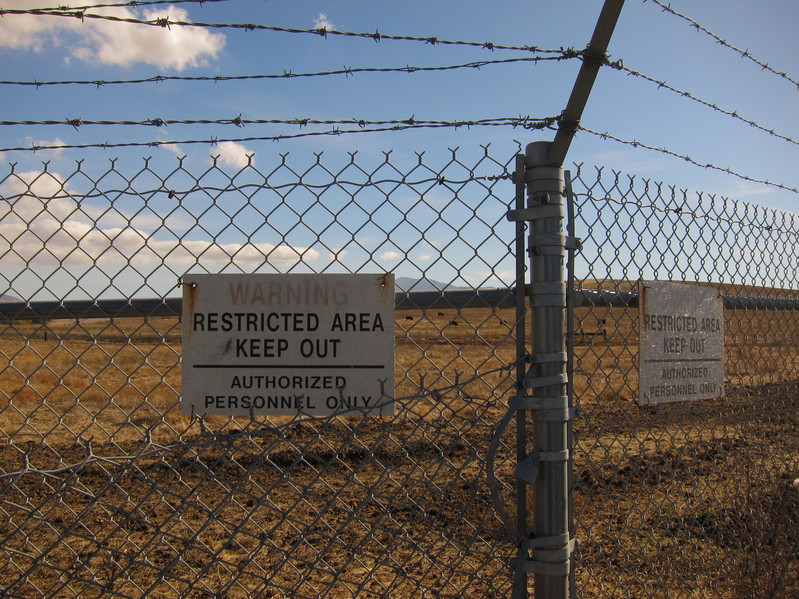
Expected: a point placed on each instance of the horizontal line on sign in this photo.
(682, 360)
(295, 366)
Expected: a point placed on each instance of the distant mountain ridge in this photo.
(411, 284)
(9, 298)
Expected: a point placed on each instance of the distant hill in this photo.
(411, 284)
(8, 298)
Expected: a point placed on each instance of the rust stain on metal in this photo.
(189, 301)
(385, 286)
(190, 292)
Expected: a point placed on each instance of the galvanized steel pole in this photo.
(594, 57)
(551, 545)
(547, 466)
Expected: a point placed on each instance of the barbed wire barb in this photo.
(288, 73)
(743, 53)
(686, 158)
(159, 22)
(690, 96)
(364, 127)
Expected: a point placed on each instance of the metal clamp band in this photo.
(532, 566)
(548, 295)
(557, 415)
(546, 289)
(550, 456)
(540, 243)
(557, 540)
(535, 213)
(535, 382)
(547, 358)
(548, 301)
(554, 562)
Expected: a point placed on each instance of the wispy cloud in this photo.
(743, 189)
(322, 22)
(46, 142)
(390, 255)
(631, 161)
(41, 206)
(174, 148)
(233, 154)
(107, 42)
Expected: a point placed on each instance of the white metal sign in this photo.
(681, 353)
(286, 344)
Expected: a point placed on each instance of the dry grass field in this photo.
(670, 501)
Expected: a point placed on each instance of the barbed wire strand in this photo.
(743, 53)
(166, 22)
(130, 3)
(522, 121)
(619, 66)
(530, 125)
(288, 74)
(666, 151)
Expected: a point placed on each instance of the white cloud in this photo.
(338, 255)
(744, 189)
(28, 32)
(174, 148)
(29, 141)
(322, 22)
(631, 161)
(390, 255)
(109, 42)
(233, 154)
(47, 229)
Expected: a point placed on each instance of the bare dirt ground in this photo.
(678, 500)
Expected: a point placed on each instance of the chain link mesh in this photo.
(690, 499)
(106, 489)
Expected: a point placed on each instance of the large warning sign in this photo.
(681, 354)
(288, 344)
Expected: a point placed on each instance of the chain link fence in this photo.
(686, 499)
(107, 489)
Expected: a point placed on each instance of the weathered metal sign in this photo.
(287, 344)
(681, 353)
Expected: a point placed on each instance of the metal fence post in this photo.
(550, 544)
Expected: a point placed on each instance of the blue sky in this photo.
(647, 39)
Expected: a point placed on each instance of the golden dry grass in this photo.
(677, 474)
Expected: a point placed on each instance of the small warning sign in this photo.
(681, 353)
(288, 344)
